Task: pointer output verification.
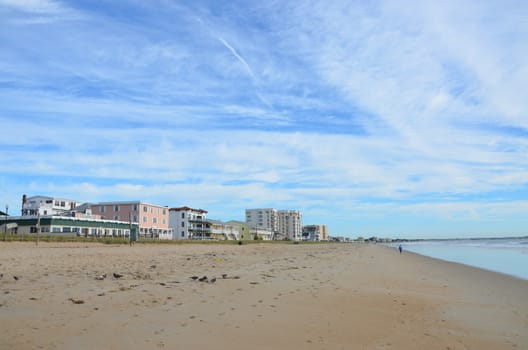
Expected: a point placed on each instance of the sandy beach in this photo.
(281, 296)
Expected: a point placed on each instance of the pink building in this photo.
(153, 219)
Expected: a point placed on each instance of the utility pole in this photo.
(130, 228)
(38, 228)
(5, 223)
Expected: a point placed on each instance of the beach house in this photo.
(189, 223)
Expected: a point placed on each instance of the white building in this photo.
(263, 218)
(283, 223)
(189, 223)
(43, 205)
(290, 224)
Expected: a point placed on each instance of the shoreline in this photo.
(503, 257)
(328, 296)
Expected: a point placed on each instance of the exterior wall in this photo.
(189, 223)
(290, 224)
(43, 205)
(264, 218)
(153, 220)
(315, 233)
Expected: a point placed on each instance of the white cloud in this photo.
(35, 6)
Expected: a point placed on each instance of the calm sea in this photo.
(505, 255)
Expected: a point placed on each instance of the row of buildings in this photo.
(137, 219)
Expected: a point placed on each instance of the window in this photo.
(183, 215)
(102, 209)
(116, 218)
(183, 233)
(63, 204)
(134, 208)
(134, 219)
(116, 207)
(44, 229)
(57, 203)
(183, 223)
(55, 229)
(144, 219)
(164, 211)
(66, 229)
(33, 229)
(144, 208)
(154, 220)
(164, 221)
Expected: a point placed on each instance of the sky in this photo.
(376, 118)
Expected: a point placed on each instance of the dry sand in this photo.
(280, 296)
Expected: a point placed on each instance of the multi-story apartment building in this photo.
(290, 224)
(189, 223)
(263, 218)
(315, 233)
(282, 223)
(43, 205)
(153, 220)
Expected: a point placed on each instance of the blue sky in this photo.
(388, 118)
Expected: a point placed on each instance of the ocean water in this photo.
(505, 255)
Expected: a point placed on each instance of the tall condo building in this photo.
(284, 223)
(264, 218)
(290, 224)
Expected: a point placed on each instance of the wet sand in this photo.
(281, 296)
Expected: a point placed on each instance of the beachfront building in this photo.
(44, 205)
(263, 218)
(244, 230)
(189, 223)
(55, 225)
(247, 232)
(290, 224)
(284, 224)
(222, 230)
(315, 233)
(153, 220)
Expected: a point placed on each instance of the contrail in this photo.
(248, 69)
(238, 57)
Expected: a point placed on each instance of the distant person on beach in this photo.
(400, 248)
